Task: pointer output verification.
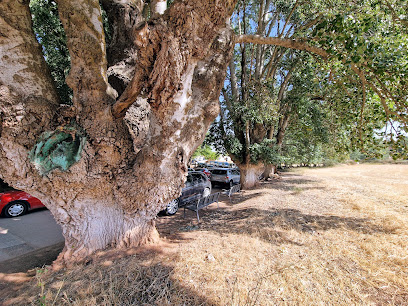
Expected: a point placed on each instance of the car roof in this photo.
(220, 169)
(195, 172)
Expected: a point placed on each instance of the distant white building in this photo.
(200, 159)
(224, 158)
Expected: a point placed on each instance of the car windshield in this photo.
(4, 187)
(198, 177)
(219, 172)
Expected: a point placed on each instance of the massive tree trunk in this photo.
(103, 180)
(250, 174)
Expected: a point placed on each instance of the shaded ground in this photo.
(316, 236)
(31, 260)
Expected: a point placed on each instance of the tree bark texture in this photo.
(129, 167)
(121, 52)
(250, 174)
(269, 171)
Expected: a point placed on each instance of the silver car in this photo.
(225, 176)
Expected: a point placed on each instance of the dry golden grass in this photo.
(328, 236)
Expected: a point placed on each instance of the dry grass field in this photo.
(322, 236)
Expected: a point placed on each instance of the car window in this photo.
(189, 181)
(219, 172)
(198, 178)
(4, 186)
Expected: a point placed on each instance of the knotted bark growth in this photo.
(168, 46)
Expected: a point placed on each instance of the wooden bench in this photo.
(232, 190)
(202, 203)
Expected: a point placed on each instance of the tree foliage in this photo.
(207, 152)
(50, 34)
(354, 98)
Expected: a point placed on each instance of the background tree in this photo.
(50, 34)
(272, 88)
(265, 84)
(206, 151)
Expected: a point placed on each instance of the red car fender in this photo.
(16, 195)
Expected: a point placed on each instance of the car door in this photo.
(187, 191)
(236, 176)
(198, 182)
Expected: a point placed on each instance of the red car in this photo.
(14, 203)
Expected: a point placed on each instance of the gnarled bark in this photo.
(121, 52)
(29, 99)
(128, 171)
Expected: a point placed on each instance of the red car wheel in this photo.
(15, 209)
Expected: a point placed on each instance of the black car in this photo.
(197, 186)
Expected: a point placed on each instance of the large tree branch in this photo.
(283, 42)
(82, 21)
(164, 58)
(22, 63)
(28, 98)
(93, 96)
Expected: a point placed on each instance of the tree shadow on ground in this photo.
(291, 182)
(131, 280)
(184, 219)
(31, 260)
(239, 197)
(270, 225)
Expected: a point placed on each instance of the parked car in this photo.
(205, 171)
(197, 186)
(14, 203)
(225, 176)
